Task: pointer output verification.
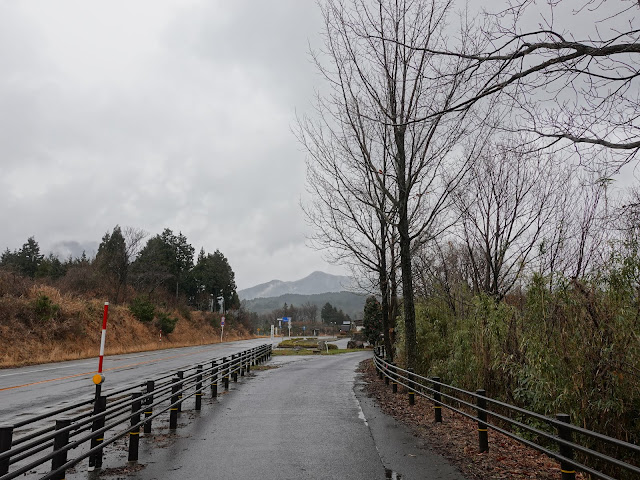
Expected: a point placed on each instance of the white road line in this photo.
(60, 367)
(22, 372)
(95, 360)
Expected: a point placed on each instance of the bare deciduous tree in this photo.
(505, 209)
(351, 216)
(378, 91)
(577, 244)
(570, 70)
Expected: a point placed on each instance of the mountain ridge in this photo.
(315, 283)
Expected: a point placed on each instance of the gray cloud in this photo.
(158, 114)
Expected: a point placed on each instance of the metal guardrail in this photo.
(517, 423)
(136, 406)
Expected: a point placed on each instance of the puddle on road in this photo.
(391, 475)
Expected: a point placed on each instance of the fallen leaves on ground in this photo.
(456, 437)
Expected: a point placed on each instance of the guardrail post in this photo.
(99, 406)
(234, 368)
(59, 441)
(134, 433)
(483, 434)
(243, 359)
(226, 369)
(199, 387)
(180, 376)
(412, 393)
(250, 360)
(214, 379)
(387, 376)
(149, 404)
(6, 435)
(394, 382)
(437, 408)
(173, 412)
(567, 468)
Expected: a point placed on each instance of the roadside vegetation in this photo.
(475, 175)
(310, 346)
(301, 343)
(159, 295)
(305, 351)
(39, 324)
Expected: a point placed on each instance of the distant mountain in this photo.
(350, 303)
(317, 282)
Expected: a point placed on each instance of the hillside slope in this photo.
(64, 327)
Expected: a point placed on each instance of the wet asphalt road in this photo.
(306, 419)
(29, 391)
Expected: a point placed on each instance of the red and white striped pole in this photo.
(99, 378)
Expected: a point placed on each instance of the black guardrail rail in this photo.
(524, 426)
(94, 423)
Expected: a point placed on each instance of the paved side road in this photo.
(307, 419)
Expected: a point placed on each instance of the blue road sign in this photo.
(286, 319)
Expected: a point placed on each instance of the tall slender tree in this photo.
(381, 94)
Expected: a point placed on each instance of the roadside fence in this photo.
(92, 424)
(555, 437)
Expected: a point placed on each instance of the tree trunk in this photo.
(405, 251)
(407, 293)
(393, 307)
(384, 290)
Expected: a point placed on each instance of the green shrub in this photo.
(44, 308)
(142, 309)
(166, 323)
(298, 342)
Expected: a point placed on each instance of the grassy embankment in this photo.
(309, 346)
(41, 325)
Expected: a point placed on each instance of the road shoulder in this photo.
(403, 455)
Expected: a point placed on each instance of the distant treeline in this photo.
(348, 305)
(162, 268)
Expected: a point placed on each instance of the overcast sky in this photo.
(155, 114)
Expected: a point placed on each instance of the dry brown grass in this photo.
(73, 329)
